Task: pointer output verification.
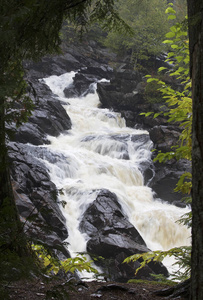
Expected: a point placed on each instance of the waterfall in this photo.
(102, 153)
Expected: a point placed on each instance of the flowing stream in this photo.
(102, 153)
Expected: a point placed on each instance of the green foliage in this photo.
(16, 257)
(17, 103)
(149, 24)
(152, 94)
(179, 103)
(158, 279)
(186, 219)
(4, 293)
(79, 263)
(51, 264)
(183, 255)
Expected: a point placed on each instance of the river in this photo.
(102, 153)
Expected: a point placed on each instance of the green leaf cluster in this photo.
(149, 24)
(183, 255)
(52, 265)
(178, 101)
(179, 104)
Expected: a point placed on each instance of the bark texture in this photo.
(10, 225)
(195, 13)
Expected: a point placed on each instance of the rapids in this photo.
(101, 152)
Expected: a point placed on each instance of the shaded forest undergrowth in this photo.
(69, 289)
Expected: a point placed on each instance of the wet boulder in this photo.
(164, 137)
(111, 96)
(36, 195)
(113, 237)
(122, 92)
(52, 65)
(168, 173)
(48, 117)
(81, 85)
(165, 180)
(84, 79)
(29, 133)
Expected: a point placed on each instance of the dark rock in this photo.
(51, 117)
(48, 118)
(52, 65)
(126, 93)
(126, 78)
(141, 138)
(81, 86)
(35, 194)
(166, 177)
(113, 237)
(121, 93)
(30, 133)
(84, 79)
(179, 204)
(103, 71)
(164, 137)
(110, 97)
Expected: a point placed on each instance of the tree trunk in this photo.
(10, 226)
(195, 14)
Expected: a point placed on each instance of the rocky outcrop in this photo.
(165, 180)
(165, 137)
(36, 196)
(126, 93)
(114, 238)
(85, 78)
(48, 117)
(167, 174)
(35, 193)
(121, 93)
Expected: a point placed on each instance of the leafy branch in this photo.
(179, 111)
(178, 101)
(183, 255)
(53, 265)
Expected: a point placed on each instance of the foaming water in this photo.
(101, 152)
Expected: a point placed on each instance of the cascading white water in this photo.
(95, 149)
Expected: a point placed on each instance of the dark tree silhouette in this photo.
(195, 14)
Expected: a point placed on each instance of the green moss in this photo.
(153, 282)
